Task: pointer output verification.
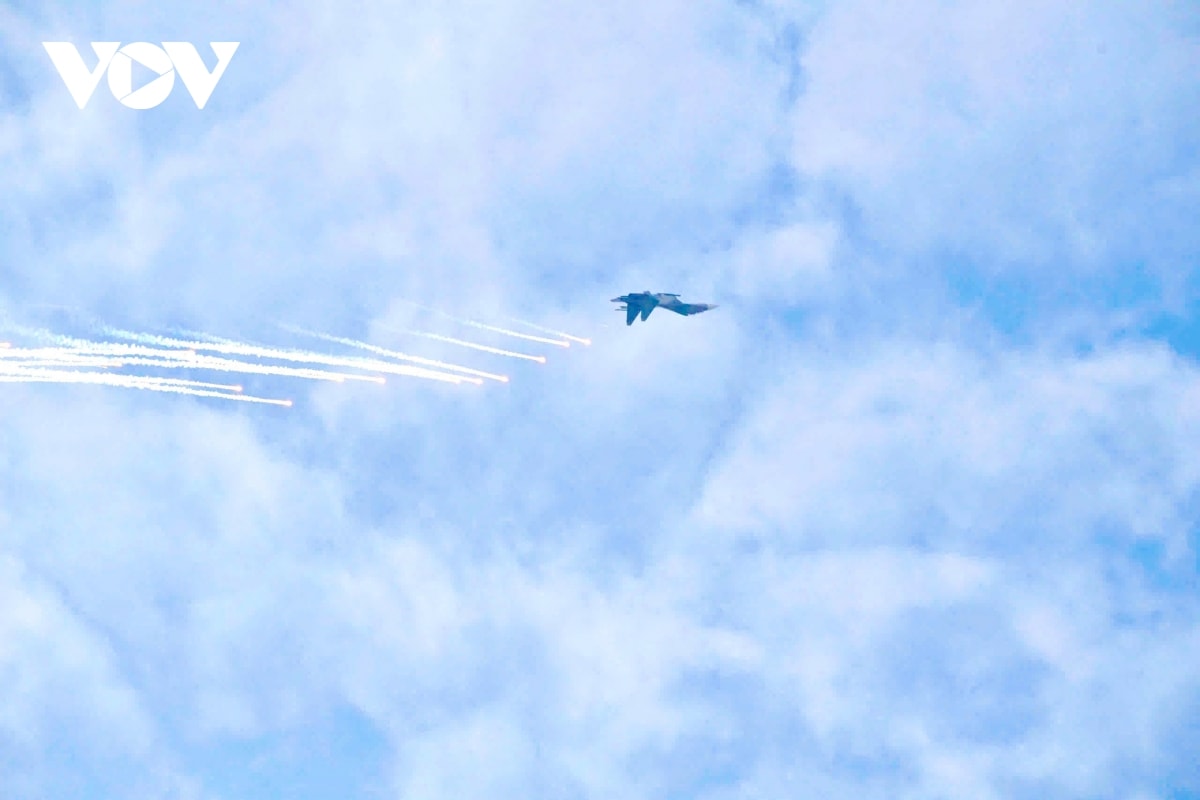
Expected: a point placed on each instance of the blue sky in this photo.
(912, 514)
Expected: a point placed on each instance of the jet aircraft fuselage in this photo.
(644, 302)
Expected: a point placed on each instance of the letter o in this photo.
(120, 75)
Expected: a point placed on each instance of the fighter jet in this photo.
(645, 302)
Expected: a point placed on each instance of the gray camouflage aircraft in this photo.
(645, 302)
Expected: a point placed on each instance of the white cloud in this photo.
(63, 690)
(989, 427)
(1016, 135)
(1049, 468)
(45, 653)
(485, 138)
(786, 265)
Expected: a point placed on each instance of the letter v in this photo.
(196, 77)
(80, 82)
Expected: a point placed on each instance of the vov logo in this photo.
(117, 61)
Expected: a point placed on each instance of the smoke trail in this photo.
(85, 357)
(492, 328)
(132, 382)
(355, 362)
(86, 346)
(233, 348)
(57, 357)
(550, 330)
(397, 355)
(15, 353)
(57, 374)
(516, 334)
(218, 364)
(81, 356)
(473, 345)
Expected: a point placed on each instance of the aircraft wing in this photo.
(631, 313)
(687, 309)
(646, 309)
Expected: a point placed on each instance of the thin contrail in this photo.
(463, 343)
(481, 347)
(493, 328)
(383, 351)
(516, 334)
(543, 329)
